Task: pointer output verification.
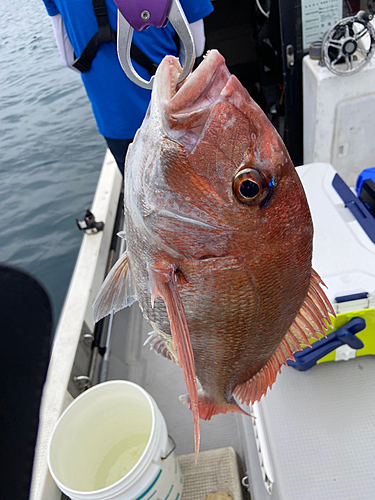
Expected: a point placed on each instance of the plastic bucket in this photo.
(112, 443)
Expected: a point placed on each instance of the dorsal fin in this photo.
(311, 319)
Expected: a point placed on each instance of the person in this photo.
(118, 104)
(26, 339)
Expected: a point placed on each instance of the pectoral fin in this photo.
(116, 292)
(163, 283)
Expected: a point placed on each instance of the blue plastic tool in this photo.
(367, 174)
(355, 205)
(345, 335)
(352, 296)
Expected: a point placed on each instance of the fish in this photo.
(218, 240)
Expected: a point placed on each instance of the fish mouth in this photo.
(186, 105)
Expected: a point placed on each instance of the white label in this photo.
(318, 16)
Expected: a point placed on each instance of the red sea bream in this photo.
(219, 240)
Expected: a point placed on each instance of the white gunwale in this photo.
(87, 277)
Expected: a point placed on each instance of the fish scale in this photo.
(223, 277)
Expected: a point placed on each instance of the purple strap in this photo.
(141, 14)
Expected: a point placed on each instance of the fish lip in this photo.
(167, 76)
(180, 96)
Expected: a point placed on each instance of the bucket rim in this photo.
(108, 489)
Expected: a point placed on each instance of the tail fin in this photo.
(208, 408)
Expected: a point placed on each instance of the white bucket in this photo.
(112, 443)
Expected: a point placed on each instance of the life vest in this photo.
(106, 34)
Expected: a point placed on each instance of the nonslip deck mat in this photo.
(320, 433)
(216, 471)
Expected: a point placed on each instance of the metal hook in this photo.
(179, 22)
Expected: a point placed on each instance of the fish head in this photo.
(221, 167)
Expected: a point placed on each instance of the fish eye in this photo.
(249, 187)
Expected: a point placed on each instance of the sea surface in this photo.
(50, 150)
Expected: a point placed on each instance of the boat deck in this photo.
(313, 436)
(163, 379)
(129, 359)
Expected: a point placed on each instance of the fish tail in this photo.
(312, 319)
(207, 407)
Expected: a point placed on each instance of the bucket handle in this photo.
(172, 449)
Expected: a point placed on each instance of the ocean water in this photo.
(50, 150)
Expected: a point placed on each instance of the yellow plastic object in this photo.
(367, 335)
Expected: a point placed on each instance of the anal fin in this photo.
(313, 318)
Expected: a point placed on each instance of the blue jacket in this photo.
(118, 104)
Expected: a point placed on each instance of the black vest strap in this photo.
(104, 35)
(140, 57)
